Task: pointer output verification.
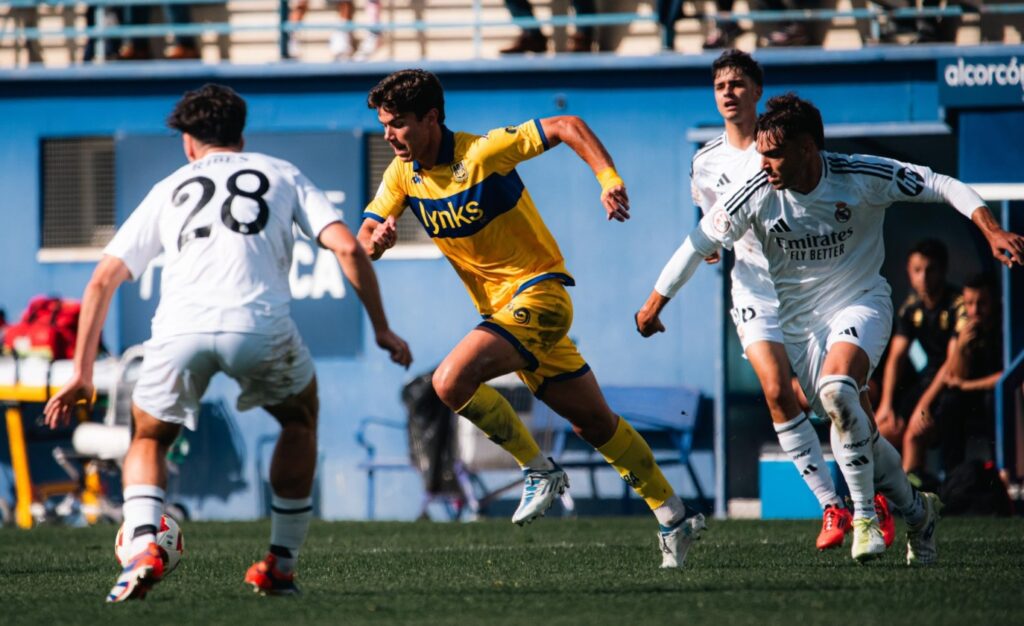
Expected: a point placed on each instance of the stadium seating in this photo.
(250, 29)
(665, 416)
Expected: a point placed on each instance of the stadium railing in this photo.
(665, 416)
(874, 15)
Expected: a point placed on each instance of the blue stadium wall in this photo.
(646, 111)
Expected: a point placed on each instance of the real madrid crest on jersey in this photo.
(459, 172)
(843, 212)
(720, 219)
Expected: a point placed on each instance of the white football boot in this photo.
(675, 541)
(921, 538)
(868, 542)
(540, 488)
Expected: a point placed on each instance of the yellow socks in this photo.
(627, 452)
(492, 413)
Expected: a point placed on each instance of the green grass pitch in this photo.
(586, 571)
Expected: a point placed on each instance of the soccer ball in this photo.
(170, 540)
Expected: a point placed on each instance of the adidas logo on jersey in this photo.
(851, 332)
(780, 226)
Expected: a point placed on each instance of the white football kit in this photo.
(224, 225)
(824, 250)
(715, 169)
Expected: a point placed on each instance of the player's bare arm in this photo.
(647, 318)
(923, 411)
(355, 263)
(378, 237)
(1007, 247)
(106, 278)
(578, 136)
(898, 349)
(684, 262)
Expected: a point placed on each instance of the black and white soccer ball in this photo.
(169, 538)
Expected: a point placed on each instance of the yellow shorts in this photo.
(537, 322)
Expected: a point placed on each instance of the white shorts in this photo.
(177, 370)
(866, 323)
(756, 320)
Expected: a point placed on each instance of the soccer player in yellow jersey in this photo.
(465, 191)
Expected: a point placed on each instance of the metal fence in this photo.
(873, 14)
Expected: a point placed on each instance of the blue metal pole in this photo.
(282, 34)
(721, 401)
(99, 47)
(1004, 392)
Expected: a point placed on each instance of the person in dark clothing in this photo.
(929, 316)
(532, 40)
(959, 403)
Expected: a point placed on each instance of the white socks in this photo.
(851, 440)
(289, 523)
(892, 481)
(143, 506)
(539, 462)
(800, 441)
(671, 513)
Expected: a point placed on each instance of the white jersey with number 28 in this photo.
(224, 225)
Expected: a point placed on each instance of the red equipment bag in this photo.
(48, 328)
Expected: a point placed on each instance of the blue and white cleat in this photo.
(675, 540)
(921, 539)
(143, 571)
(540, 488)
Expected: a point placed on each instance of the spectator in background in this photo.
(183, 47)
(928, 316)
(532, 40)
(726, 29)
(112, 16)
(722, 34)
(917, 30)
(341, 45)
(958, 405)
(788, 33)
(26, 17)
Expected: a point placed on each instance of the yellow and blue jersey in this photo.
(477, 210)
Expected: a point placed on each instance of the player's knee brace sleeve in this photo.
(840, 397)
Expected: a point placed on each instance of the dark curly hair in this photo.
(983, 280)
(408, 91)
(787, 117)
(740, 61)
(212, 114)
